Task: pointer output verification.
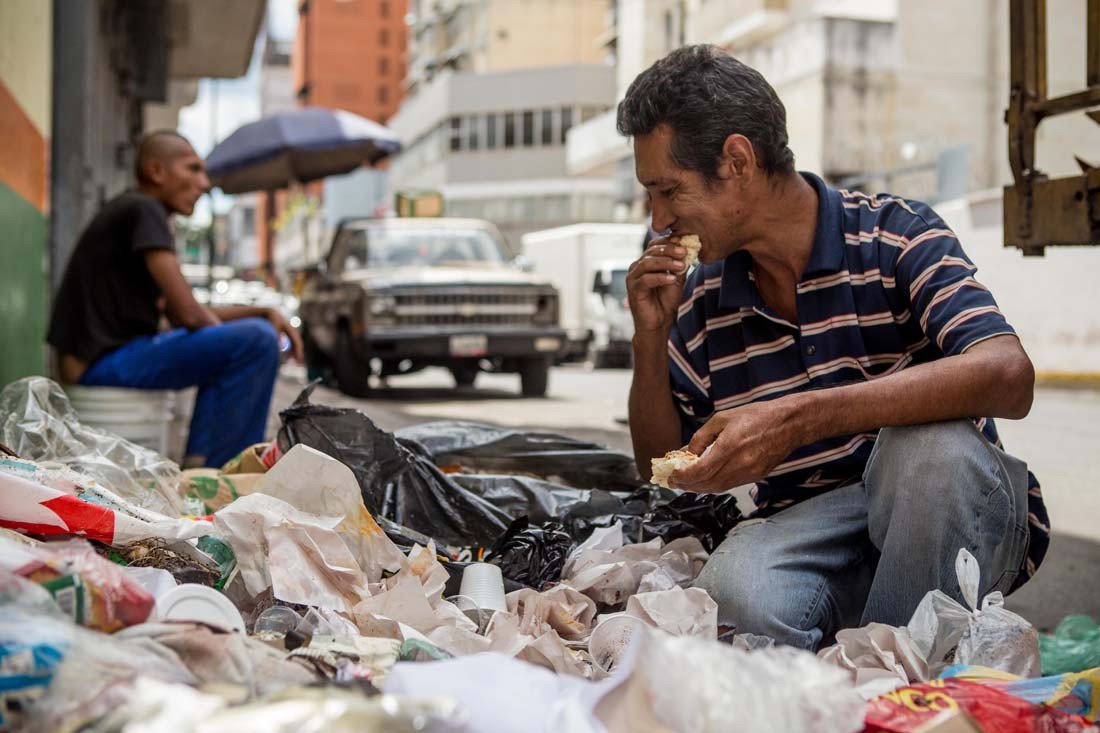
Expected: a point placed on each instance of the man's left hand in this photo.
(283, 326)
(745, 444)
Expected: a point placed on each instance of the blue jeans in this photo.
(233, 365)
(869, 551)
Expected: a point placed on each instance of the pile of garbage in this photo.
(450, 577)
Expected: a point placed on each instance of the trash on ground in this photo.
(450, 577)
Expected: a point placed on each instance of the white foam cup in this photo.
(610, 639)
(483, 583)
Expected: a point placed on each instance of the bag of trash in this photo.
(399, 482)
(991, 636)
(38, 423)
(1073, 647)
(532, 555)
(470, 447)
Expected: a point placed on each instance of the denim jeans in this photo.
(233, 365)
(869, 551)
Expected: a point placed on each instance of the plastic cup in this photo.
(483, 583)
(277, 621)
(610, 639)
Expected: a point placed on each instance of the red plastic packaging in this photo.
(910, 709)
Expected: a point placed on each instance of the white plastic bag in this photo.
(991, 636)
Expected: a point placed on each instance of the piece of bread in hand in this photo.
(672, 461)
(691, 243)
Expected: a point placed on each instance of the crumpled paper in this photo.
(879, 658)
(609, 573)
(316, 483)
(299, 556)
(676, 611)
(564, 609)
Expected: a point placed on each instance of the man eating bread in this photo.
(831, 347)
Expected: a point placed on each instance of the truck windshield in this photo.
(618, 284)
(402, 247)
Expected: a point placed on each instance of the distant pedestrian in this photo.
(124, 275)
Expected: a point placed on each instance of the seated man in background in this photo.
(124, 275)
(832, 348)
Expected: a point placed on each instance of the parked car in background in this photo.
(397, 295)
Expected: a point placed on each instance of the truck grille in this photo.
(464, 308)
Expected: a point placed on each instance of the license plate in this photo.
(469, 345)
(547, 343)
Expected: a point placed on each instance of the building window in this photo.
(566, 122)
(548, 127)
(383, 95)
(490, 132)
(384, 66)
(473, 133)
(384, 37)
(384, 8)
(509, 129)
(456, 133)
(528, 128)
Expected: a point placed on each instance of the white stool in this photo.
(141, 416)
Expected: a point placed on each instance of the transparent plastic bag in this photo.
(698, 685)
(990, 636)
(38, 423)
(1073, 647)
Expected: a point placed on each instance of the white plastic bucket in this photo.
(141, 416)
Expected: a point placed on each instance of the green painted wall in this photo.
(23, 309)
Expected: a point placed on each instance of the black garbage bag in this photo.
(663, 513)
(398, 481)
(532, 555)
(489, 449)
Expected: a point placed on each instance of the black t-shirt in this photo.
(107, 297)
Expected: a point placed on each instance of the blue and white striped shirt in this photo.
(887, 286)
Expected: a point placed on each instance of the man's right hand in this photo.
(655, 285)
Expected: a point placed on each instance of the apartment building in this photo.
(494, 87)
(881, 94)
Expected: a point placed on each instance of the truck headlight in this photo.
(381, 305)
(547, 312)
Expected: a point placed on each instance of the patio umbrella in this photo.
(301, 145)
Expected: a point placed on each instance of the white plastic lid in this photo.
(194, 602)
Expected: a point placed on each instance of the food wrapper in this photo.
(916, 708)
(94, 592)
(31, 507)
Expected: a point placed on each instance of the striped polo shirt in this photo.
(887, 286)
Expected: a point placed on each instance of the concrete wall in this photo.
(25, 123)
(528, 33)
(1050, 300)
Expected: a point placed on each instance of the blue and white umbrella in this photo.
(297, 146)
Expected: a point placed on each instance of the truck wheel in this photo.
(465, 374)
(534, 374)
(352, 374)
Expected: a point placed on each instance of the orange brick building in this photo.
(350, 55)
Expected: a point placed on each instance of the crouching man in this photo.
(831, 347)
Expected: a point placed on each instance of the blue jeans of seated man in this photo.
(869, 551)
(233, 365)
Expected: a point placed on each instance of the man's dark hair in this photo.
(156, 145)
(705, 95)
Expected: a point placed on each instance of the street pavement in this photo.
(1060, 440)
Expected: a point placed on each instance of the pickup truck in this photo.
(397, 295)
